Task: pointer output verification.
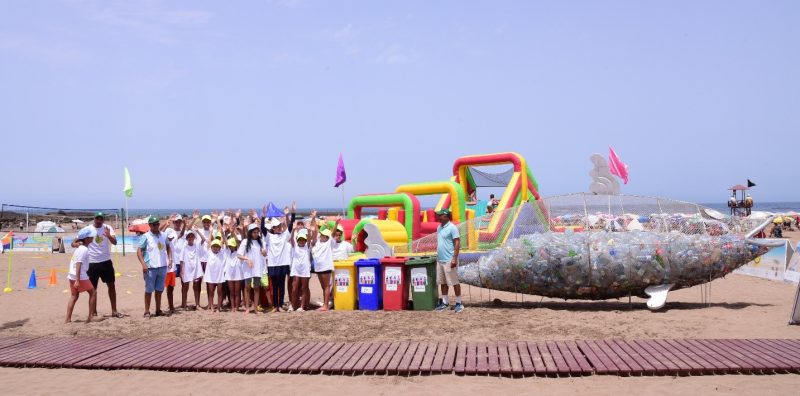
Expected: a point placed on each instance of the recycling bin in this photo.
(370, 292)
(395, 287)
(422, 279)
(344, 285)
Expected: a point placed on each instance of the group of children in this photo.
(247, 262)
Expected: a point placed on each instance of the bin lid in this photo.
(423, 260)
(394, 260)
(347, 263)
(373, 262)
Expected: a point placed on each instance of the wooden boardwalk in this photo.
(516, 359)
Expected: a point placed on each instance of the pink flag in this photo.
(616, 166)
(341, 175)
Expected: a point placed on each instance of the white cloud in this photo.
(153, 20)
(51, 51)
(395, 54)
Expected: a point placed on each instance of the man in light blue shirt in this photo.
(448, 247)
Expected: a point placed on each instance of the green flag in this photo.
(128, 189)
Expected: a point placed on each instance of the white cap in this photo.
(178, 217)
(275, 222)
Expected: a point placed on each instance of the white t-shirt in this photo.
(341, 250)
(80, 255)
(259, 264)
(301, 261)
(155, 249)
(100, 249)
(279, 251)
(205, 250)
(177, 245)
(323, 256)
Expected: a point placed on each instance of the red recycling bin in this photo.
(395, 287)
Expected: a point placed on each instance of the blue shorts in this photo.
(154, 279)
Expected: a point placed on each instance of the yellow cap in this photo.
(216, 242)
(231, 242)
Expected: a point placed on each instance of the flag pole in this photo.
(344, 213)
(8, 288)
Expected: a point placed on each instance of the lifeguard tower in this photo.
(742, 205)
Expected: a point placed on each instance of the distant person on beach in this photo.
(340, 248)
(175, 230)
(78, 278)
(323, 258)
(495, 202)
(100, 265)
(253, 253)
(191, 270)
(448, 247)
(155, 256)
(301, 243)
(277, 234)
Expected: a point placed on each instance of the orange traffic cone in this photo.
(53, 278)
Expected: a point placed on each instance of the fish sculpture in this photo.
(605, 264)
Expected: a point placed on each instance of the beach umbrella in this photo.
(778, 220)
(77, 221)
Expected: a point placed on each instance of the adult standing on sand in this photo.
(100, 265)
(448, 247)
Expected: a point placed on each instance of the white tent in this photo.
(48, 226)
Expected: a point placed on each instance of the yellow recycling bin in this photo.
(345, 286)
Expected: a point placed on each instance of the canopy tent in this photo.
(488, 179)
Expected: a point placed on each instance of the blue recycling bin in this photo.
(370, 284)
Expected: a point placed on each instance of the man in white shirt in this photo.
(100, 265)
(155, 256)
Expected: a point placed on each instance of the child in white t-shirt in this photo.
(78, 278)
(301, 269)
(191, 270)
(323, 258)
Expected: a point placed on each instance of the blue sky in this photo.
(214, 104)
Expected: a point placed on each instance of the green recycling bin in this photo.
(422, 280)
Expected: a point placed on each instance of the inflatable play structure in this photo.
(401, 223)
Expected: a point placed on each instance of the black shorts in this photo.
(103, 270)
(279, 270)
(323, 272)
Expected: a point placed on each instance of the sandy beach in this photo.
(739, 307)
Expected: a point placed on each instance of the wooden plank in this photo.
(27, 354)
(551, 368)
(237, 353)
(210, 351)
(633, 366)
(394, 364)
(513, 359)
(742, 356)
(314, 363)
(123, 356)
(416, 361)
(6, 342)
(70, 348)
(792, 362)
(687, 353)
(744, 366)
(561, 362)
(684, 367)
(619, 361)
(670, 361)
(471, 363)
(162, 355)
(594, 360)
(600, 353)
(525, 358)
(459, 359)
(536, 357)
(773, 364)
(721, 363)
(580, 358)
(341, 359)
(369, 367)
(366, 357)
(43, 352)
(259, 362)
(572, 363)
(481, 358)
(438, 358)
(305, 351)
(788, 348)
(504, 358)
(254, 352)
(427, 360)
(347, 367)
(108, 346)
(93, 361)
(383, 364)
(405, 362)
(635, 356)
(493, 358)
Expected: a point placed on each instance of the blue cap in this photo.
(86, 232)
